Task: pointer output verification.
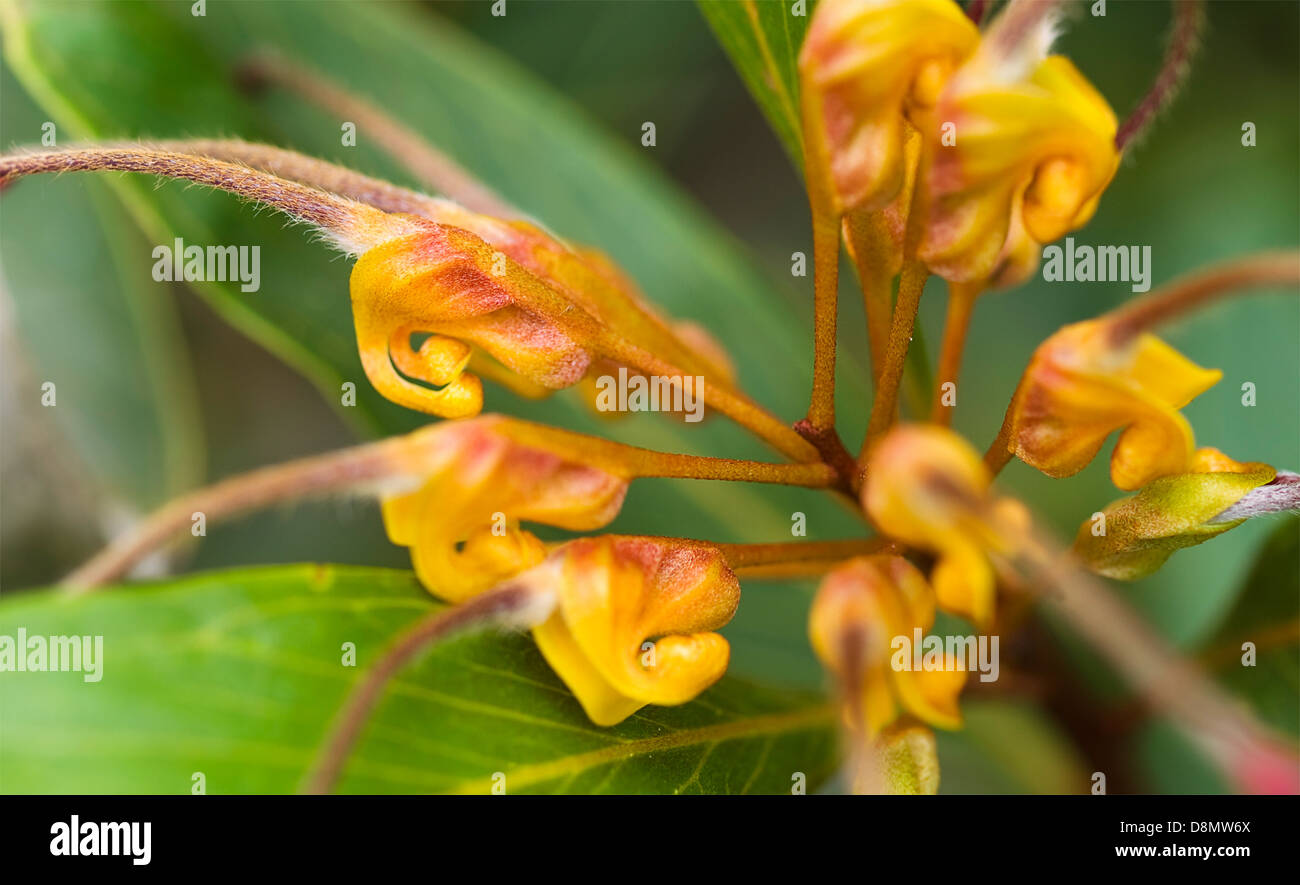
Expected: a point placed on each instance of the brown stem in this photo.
(311, 171)
(781, 553)
(826, 271)
(344, 469)
(506, 604)
(884, 408)
(961, 306)
(1189, 19)
(1199, 288)
(354, 226)
(429, 166)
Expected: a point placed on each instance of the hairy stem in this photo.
(1202, 287)
(1189, 20)
(513, 605)
(353, 226)
(429, 166)
(366, 467)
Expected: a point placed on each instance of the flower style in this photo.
(861, 607)
(462, 522)
(1085, 382)
(927, 486)
(1142, 531)
(1033, 148)
(633, 621)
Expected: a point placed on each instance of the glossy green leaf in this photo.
(1267, 614)
(762, 39)
(237, 675)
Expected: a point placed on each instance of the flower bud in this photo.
(634, 621)
(864, 65)
(477, 483)
(1137, 534)
(1083, 384)
(860, 609)
(1031, 149)
(927, 487)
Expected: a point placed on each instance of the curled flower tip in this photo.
(635, 620)
(1081, 385)
(1184, 41)
(863, 612)
(469, 485)
(1024, 147)
(864, 67)
(542, 311)
(927, 487)
(1133, 537)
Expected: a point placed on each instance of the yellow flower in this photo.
(476, 484)
(864, 66)
(1085, 382)
(927, 487)
(861, 607)
(1140, 532)
(634, 620)
(1030, 147)
(540, 309)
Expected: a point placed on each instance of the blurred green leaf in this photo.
(1266, 613)
(762, 39)
(1008, 747)
(238, 674)
(94, 323)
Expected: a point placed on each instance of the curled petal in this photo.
(1081, 386)
(1029, 158)
(864, 66)
(462, 521)
(635, 620)
(1140, 532)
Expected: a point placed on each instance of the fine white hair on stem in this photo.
(1282, 495)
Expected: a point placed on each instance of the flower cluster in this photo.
(932, 146)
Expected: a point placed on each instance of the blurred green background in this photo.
(140, 426)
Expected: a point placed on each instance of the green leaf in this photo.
(1008, 747)
(1266, 613)
(238, 674)
(762, 39)
(94, 323)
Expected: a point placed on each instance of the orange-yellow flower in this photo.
(861, 607)
(927, 487)
(1029, 148)
(634, 621)
(1085, 382)
(541, 309)
(476, 484)
(1137, 534)
(865, 65)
